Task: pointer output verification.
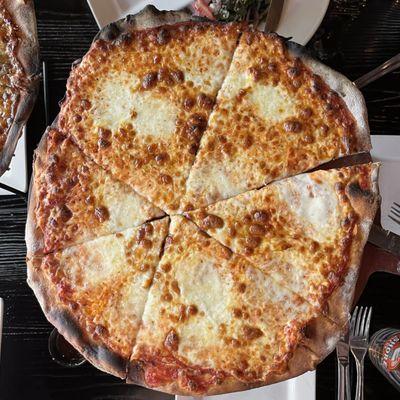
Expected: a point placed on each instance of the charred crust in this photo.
(355, 190)
(94, 351)
(136, 372)
(111, 32)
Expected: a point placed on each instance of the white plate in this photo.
(300, 18)
(300, 388)
(386, 149)
(16, 175)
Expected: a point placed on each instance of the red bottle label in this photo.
(391, 353)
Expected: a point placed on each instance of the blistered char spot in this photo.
(171, 341)
(212, 222)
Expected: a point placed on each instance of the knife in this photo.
(274, 15)
(343, 362)
(385, 240)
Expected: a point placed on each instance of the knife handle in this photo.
(343, 382)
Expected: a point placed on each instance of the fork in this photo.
(394, 213)
(359, 338)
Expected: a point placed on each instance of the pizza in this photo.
(75, 200)
(278, 113)
(148, 133)
(251, 329)
(95, 292)
(305, 231)
(19, 66)
(183, 233)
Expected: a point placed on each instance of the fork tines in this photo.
(360, 322)
(394, 214)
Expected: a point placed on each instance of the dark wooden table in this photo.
(354, 37)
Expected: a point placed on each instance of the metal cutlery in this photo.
(274, 15)
(343, 362)
(378, 72)
(385, 240)
(394, 214)
(359, 340)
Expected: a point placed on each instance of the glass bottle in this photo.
(384, 352)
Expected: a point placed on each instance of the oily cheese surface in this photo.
(139, 105)
(211, 316)
(303, 230)
(235, 293)
(95, 293)
(75, 200)
(273, 118)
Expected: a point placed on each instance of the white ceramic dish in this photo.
(386, 149)
(300, 18)
(16, 176)
(300, 388)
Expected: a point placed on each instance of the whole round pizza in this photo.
(174, 235)
(19, 66)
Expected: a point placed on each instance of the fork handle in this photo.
(360, 380)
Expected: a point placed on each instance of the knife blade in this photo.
(274, 15)
(385, 240)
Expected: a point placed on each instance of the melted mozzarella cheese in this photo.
(154, 116)
(314, 204)
(273, 103)
(107, 276)
(235, 303)
(117, 102)
(112, 100)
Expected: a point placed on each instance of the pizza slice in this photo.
(213, 323)
(95, 293)
(74, 200)
(139, 102)
(19, 66)
(278, 113)
(308, 231)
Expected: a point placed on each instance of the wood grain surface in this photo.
(354, 37)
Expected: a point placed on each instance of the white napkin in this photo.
(386, 149)
(17, 175)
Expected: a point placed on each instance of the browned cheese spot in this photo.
(171, 341)
(102, 213)
(149, 80)
(65, 213)
(251, 332)
(212, 222)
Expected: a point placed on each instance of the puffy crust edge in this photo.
(149, 17)
(96, 353)
(345, 88)
(33, 235)
(23, 16)
(27, 52)
(303, 360)
(365, 203)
